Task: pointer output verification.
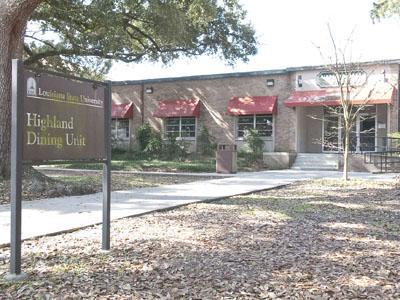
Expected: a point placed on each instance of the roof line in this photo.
(243, 74)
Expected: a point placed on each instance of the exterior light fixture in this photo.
(149, 90)
(270, 82)
(299, 81)
(384, 76)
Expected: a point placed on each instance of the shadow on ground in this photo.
(321, 238)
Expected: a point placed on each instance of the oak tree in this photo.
(385, 8)
(83, 37)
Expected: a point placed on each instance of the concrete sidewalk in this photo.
(49, 216)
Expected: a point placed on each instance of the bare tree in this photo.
(352, 98)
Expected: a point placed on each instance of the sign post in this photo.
(107, 170)
(16, 169)
(60, 119)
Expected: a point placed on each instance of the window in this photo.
(120, 128)
(181, 127)
(261, 123)
(327, 79)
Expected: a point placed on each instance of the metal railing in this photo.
(386, 156)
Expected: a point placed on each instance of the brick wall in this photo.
(215, 92)
(215, 95)
(126, 94)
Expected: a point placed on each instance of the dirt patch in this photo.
(310, 240)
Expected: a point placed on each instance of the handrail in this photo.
(384, 160)
(387, 154)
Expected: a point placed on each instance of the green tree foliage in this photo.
(385, 8)
(81, 36)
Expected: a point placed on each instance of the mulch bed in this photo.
(311, 240)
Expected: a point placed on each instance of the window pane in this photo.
(263, 118)
(113, 124)
(263, 127)
(263, 124)
(183, 127)
(173, 128)
(188, 128)
(262, 132)
(188, 121)
(173, 121)
(331, 131)
(188, 134)
(245, 126)
(265, 133)
(246, 119)
(120, 128)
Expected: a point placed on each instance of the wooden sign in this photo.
(63, 119)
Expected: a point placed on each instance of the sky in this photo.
(289, 34)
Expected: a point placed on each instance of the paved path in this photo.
(46, 216)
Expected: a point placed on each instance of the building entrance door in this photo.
(330, 134)
(362, 135)
(367, 132)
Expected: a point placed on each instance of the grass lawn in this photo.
(126, 162)
(59, 183)
(311, 240)
(151, 165)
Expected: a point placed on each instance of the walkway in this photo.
(48, 216)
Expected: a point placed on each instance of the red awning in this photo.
(122, 111)
(254, 105)
(331, 97)
(178, 108)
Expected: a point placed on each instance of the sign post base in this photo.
(15, 277)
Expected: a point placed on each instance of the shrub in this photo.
(255, 144)
(116, 143)
(154, 146)
(206, 142)
(144, 135)
(395, 142)
(175, 149)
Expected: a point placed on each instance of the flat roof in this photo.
(243, 74)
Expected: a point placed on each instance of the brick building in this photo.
(287, 107)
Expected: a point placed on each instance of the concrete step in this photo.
(316, 161)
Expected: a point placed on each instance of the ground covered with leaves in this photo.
(323, 239)
(57, 183)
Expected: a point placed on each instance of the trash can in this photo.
(226, 161)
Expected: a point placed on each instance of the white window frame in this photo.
(267, 138)
(191, 138)
(114, 132)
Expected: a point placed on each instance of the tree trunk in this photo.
(14, 15)
(346, 153)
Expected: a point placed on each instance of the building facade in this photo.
(289, 107)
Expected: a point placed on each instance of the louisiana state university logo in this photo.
(31, 87)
